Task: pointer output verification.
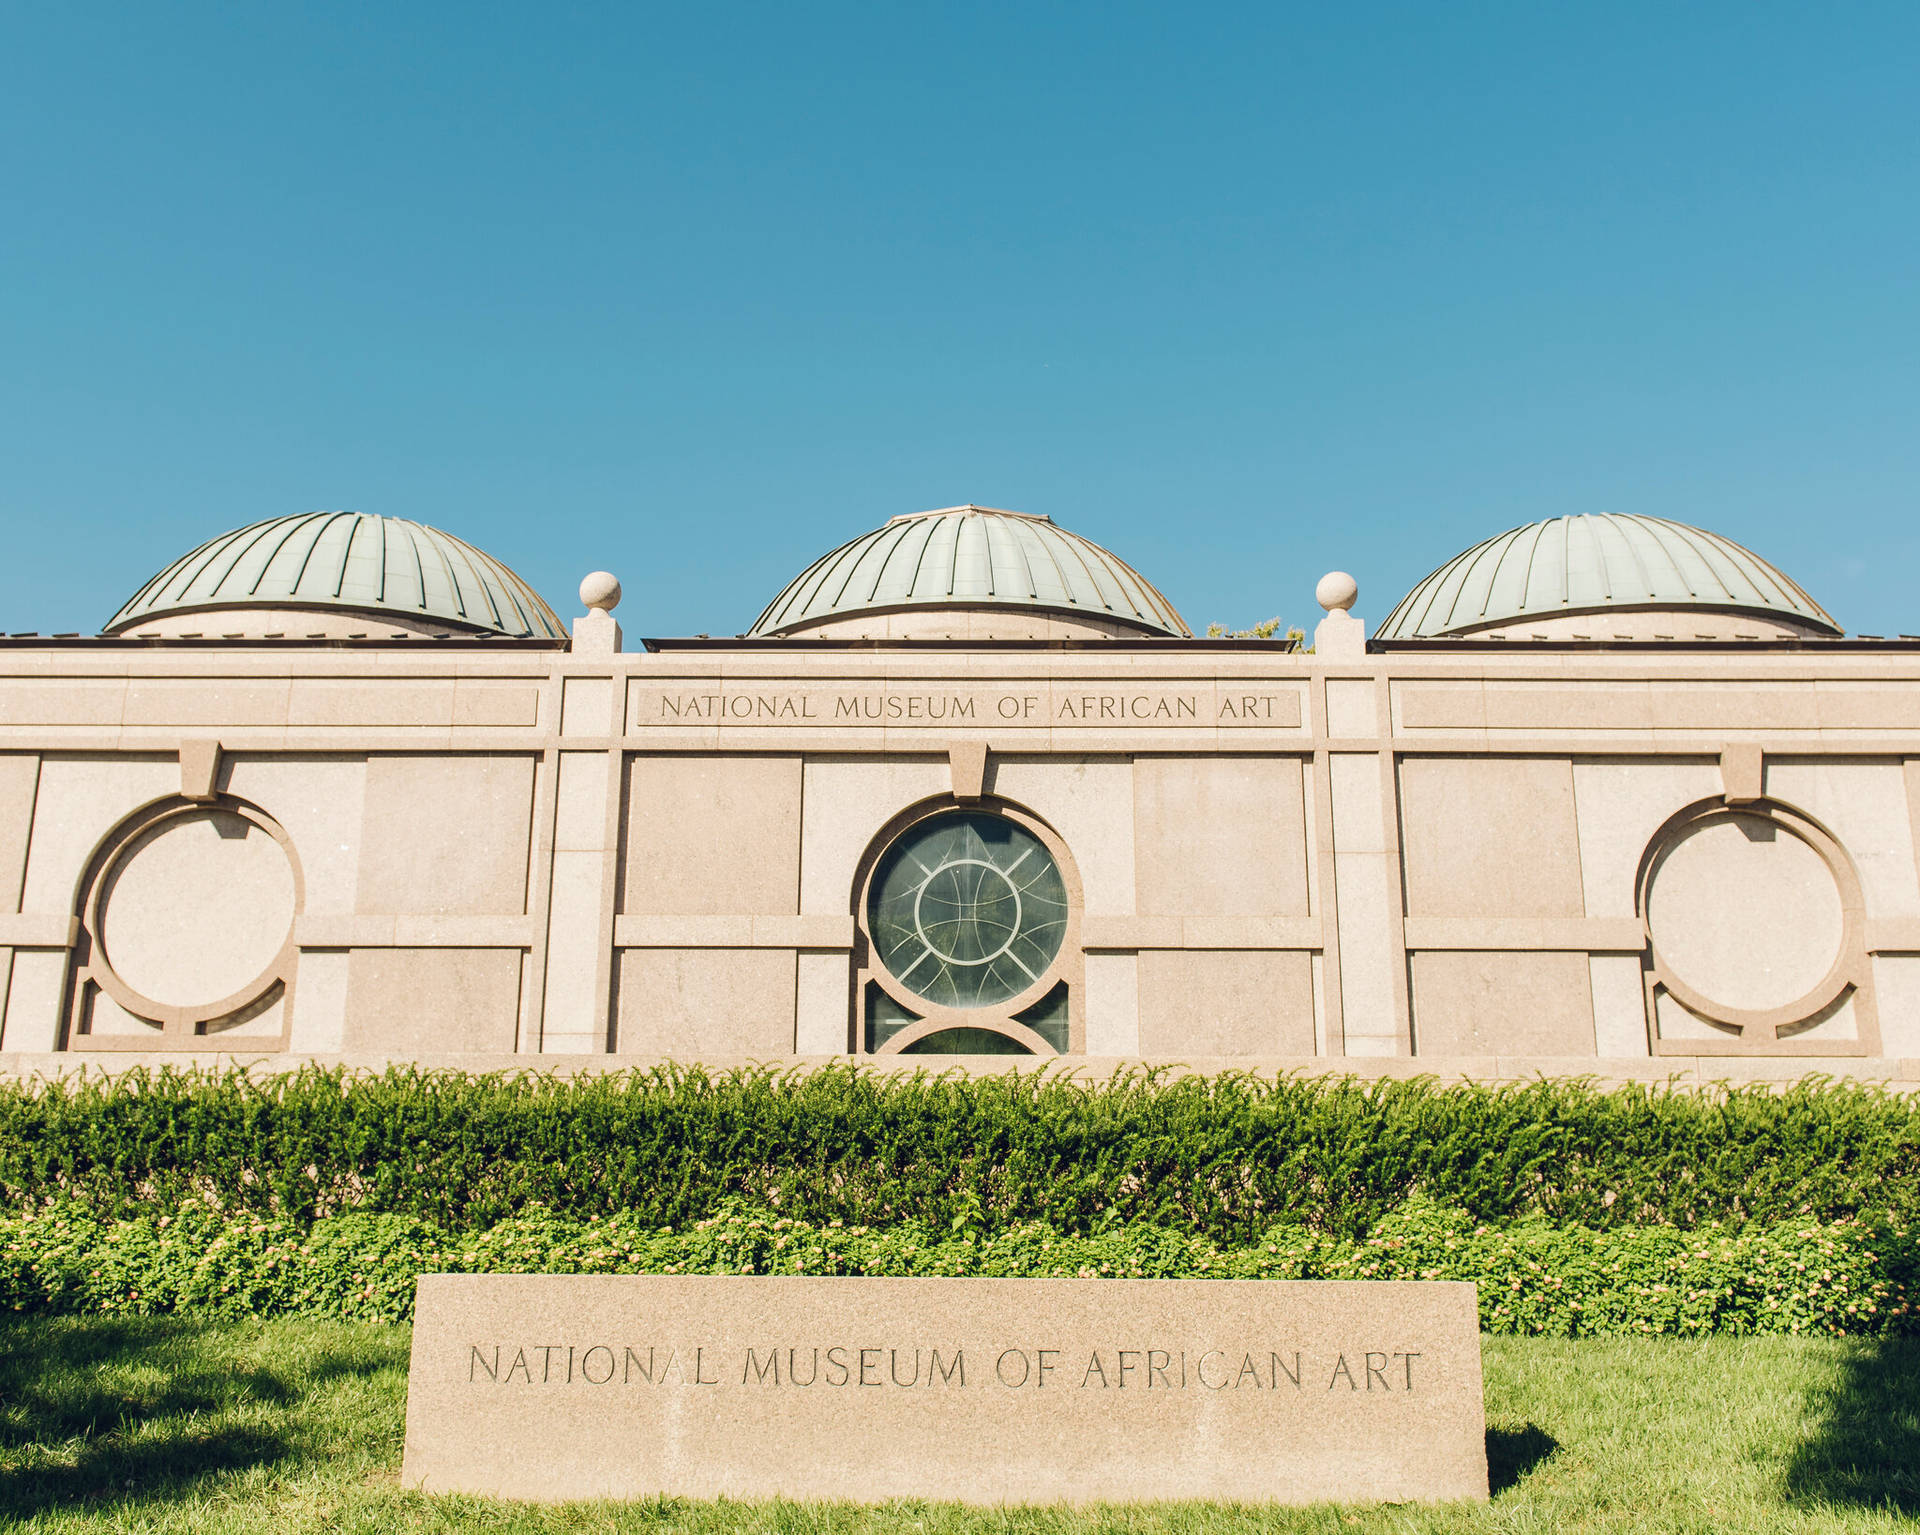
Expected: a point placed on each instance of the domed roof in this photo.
(347, 560)
(1599, 562)
(972, 557)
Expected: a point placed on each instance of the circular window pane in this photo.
(967, 910)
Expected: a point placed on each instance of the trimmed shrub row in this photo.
(1223, 1157)
(1798, 1277)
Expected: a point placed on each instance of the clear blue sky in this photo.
(696, 292)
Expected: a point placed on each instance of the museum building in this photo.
(1603, 794)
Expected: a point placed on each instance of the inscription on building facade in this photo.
(984, 1390)
(1162, 706)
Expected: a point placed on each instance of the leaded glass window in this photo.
(967, 910)
(966, 1042)
(885, 1017)
(1048, 1018)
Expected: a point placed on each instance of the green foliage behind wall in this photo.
(1534, 1278)
(1223, 1157)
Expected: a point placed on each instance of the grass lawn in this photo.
(293, 1425)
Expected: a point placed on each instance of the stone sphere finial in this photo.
(601, 591)
(1337, 591)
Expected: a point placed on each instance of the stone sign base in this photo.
(980, 1390)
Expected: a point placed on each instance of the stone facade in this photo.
(1491, 858)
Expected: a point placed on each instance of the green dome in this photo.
(353, 561)
(1566, 566)
(971, 557)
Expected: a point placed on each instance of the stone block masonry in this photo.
(986, 1391)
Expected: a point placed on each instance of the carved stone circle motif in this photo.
(1754, 917)
(189, 913)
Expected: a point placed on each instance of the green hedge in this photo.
(1798, 1277)
(1223, 1157)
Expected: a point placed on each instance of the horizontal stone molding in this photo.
(1658, 705)
(1712, 1050)
(1590, 935)
(38, 930)
(319, 931)
(164, 741)
(1700, 1070)
(1135, 933)
(813, 932)
(231, 702)
(1893, 935)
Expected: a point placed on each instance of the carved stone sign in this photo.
(961, 705)
(982, 1390)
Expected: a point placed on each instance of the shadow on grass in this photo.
(1513, 1452)
(102, 1410)
(1866, 1453)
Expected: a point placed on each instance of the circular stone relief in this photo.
(1745, 912)
(195, 907)
(967, 910)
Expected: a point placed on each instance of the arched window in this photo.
(969, 916)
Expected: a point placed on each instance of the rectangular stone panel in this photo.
(1220, 836)
(76, 803)
(1863, 706)
(19, 778)
(705, 1003)
(482, 704)
(206, 701)
(318, 797)
(431, 1001)
(1197, 1002)
(712, 835)
(1353, 707)
(1450, 705)
(1490, 837)
(1516, 1003)
(586, 706)
(62, 701)
(847, 800)
(1528, 706)
(988, 1391)
(1728, 706)
(446, 835)
(357, 701)
(1863, 802)
(33, 999)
